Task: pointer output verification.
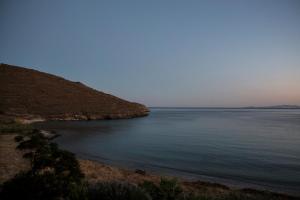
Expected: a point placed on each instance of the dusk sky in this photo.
(162, 53)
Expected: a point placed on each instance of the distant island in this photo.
(248, 107)
(275, 107)
(30, 94)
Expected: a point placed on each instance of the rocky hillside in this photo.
(28, 93)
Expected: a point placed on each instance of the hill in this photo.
(28, 93)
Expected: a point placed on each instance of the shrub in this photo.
(45, 186)
(62, 162)
(19, 138)
(36, 140)
(153, 190)
(117, 191)
(13, 127)
(29, 186)
(168, 189)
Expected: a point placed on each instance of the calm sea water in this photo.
(239, 147)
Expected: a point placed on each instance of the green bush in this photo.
(31, 186)
(13, 127)
(35, 141)
(168, 189)
(63, 163)
(153, 190)
(46, 186)
(117, 191)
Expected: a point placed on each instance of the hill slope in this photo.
(30, 93)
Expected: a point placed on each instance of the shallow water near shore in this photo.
(257, 148)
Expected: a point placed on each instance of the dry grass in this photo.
(95, 172)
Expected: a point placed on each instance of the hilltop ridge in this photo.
(29, 93)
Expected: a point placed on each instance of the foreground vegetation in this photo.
(56, 174)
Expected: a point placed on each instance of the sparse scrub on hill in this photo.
(34, 94)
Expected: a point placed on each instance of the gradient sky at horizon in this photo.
(162, 53)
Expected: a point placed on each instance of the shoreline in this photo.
(30, 119)
(210, 181)
(96, 171)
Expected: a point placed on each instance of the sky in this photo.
(159, 52)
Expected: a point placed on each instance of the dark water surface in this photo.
(240, 147)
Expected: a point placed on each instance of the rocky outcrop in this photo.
(30, 94)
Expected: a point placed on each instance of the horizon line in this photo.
(232, 107)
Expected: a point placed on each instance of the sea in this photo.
(242, 148)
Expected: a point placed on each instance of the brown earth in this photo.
(31, 94)
(11, 160)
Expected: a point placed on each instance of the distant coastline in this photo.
(247, 107)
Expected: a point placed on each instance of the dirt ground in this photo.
(11, 160)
